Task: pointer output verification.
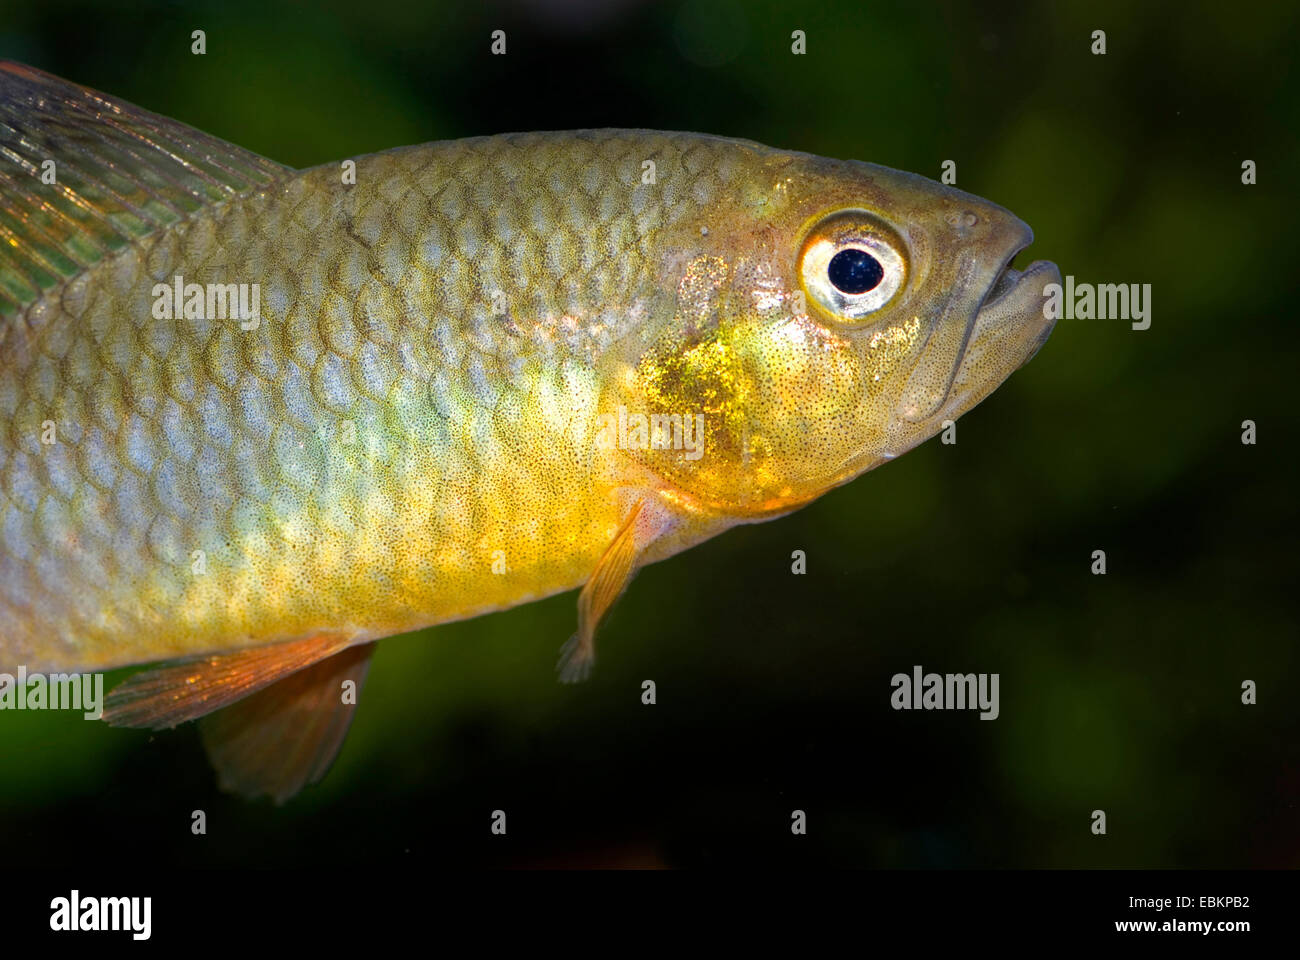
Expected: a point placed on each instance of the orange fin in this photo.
(188, 689)
(612, 574)
(286, 736)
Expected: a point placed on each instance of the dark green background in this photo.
(1119, 692)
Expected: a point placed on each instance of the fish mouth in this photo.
(1008, 325)
(993, 321)
(1013, 306)
(1008, 279)
(1008, 328)
(1004, 282)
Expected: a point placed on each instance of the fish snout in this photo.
(1041, 274)
(1011, 326)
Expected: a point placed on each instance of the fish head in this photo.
(827, 318)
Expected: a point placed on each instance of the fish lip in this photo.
(1012, 320)
(1008, 283)
(1030, 276)
(967, 301)
(1005, 280)
(1018, 295)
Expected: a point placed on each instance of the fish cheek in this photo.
(835, 397)
(678, 410)
(809, 386)
(746, 415)
(773, 398)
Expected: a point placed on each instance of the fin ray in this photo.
(612, 575)
(287, 735)
(190, 688)
(120, 173)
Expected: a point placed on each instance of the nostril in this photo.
(962, 221)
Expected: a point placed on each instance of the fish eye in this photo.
(854, 271)
(852, 265)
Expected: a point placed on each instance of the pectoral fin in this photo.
(612, 574)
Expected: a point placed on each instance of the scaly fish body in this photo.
(436, 411)
(385, 440)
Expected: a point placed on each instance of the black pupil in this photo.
(854, 271)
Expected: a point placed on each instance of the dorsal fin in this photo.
(119, 174)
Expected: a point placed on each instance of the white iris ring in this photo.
(851, 306)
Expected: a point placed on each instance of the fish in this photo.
(257, 419)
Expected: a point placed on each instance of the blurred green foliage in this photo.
(1119, 692)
